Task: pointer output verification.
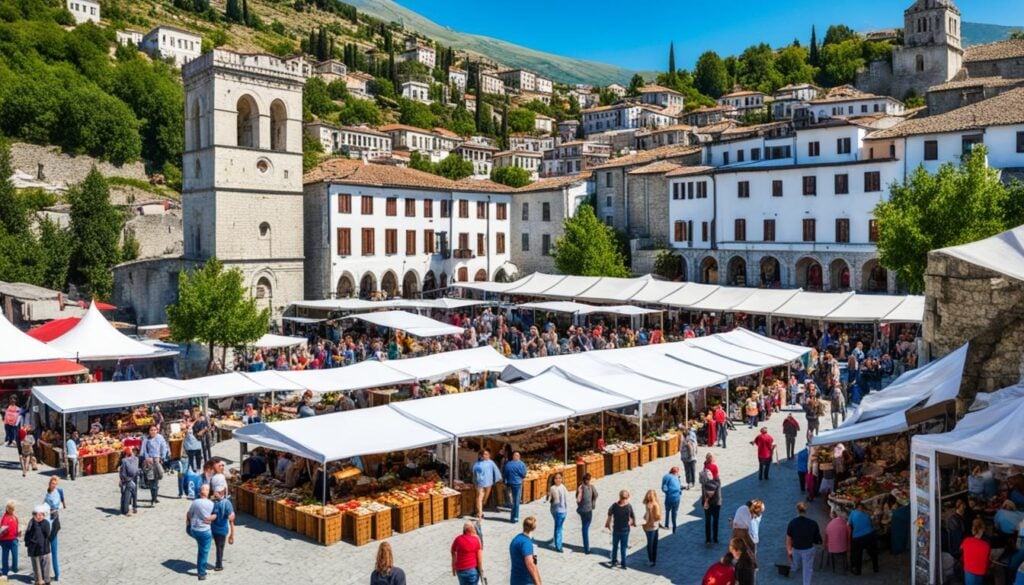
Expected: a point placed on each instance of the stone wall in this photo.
(63, 169)
(144, 288)
(648, 207)
(964, 302)
(158, 235)
(1010, 68)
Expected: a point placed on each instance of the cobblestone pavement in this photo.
(98, 546)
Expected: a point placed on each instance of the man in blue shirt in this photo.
(864, 538)
(515, 472)
(153, 451)
(801, 468)
(524, 563)
(71, 452)
(673, 490)
(485, 475)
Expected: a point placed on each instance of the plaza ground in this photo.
(99, 546)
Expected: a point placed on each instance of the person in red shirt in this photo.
(975, 554)
(709, 464)
(721, 573)
(765, 449)
(720, 424)
(468, 556)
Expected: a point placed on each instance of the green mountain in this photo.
(556, 67)
(975, 33)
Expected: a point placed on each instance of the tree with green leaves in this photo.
(233, 11)
(413, 113)
(841, 61)
(711, 77)
(956, 205)
(521, 120)
(215, 309)
(312, 149)
(635, 83)
(13, 219)
(454, 167)
(757, 70)
(838, 33)
(511, 176)
(668, 264)
(588, 247)
(792, 63)
(813, 50)
(1017, 34)
(672, 64)
(95, 227)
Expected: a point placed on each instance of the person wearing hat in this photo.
(38, 536)
(765, 444)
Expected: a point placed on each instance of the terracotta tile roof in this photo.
(393, 127)
(1002, 110)
(542, 116)
(470, 184)
(840, 98)
(477, 146)
(356, 172)
(655, 88)
(976, 82)
(717, 127)
(755, 128)
(519, 152)
(707, 109)
(1010, 49)
(656, 168)
(365, 130)
(647, 156)
(684, 171)
(446, 132)
(554, 183)
(741, 93)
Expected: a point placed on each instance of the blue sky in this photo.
(636, 35)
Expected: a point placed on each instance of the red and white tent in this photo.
(94, 338)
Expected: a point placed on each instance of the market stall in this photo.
(103, 449)
(24, 358)
(975, 462)
(360, 496)
(221, 390)
(271, 341)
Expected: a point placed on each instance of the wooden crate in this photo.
(301, 519)
(452, 507)
(405, 518)
(594, 465)
(358, 528)
(467, 497)
(497, 498)
(313, 523)
(244, 502)
(288, 516)
(615, 462)
(113, 461)
(645, 453)
(261, 507)
(437, 507)
(100, 463)
(674, 443)
(426, 511)
(662, 448)
(324, 529)
(633, 458)
(569, 477)
(381, 528)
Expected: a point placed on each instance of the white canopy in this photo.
(884, 412)
(485, 412)
(71, 398)
(535, 284)
(610, 289)
(342, 305)
(572, 286)
(411, 323)
(723, 299)
(765, 301)
(627, 382)
(94, 338)
(488, 286)
(710, 360)
(651, 361)
(18, 346)
(718, 345)
(341, 435)
(477, 359)
(865, 309)
(555, 306)
(303, 320)
(746, 339)
(273, 380)
(368, 374)
(994, 434)
(224, 386)
(811, 305)
(271, 341)
(1002, 253)
(911, 310)
(562, 389)
(690, 294)
(442, 303)
(655, 290)
(624, 310)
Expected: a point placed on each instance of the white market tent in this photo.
(225, 386)
(18, 346)
(342, 305)
(274, 380)
(572, 286)
(94, 338)
(650, 362)
(911, 310)
(710, 360)
(368, 374)
(535, 284)
(559, 388)
(655, 290)
(811, 305)
(342, 435)
(723, 299)
(690, 294)
(865, 309)
(1002, 253)
(884, 412)
(485, 412)
(621, 310)
(446, 304)
(765, 301)
(491, 287)
(411, 323)
(72, 398)
(717, 344)
(554, 306)
(748, 340)
(430, 367)
(271, 341)
(615, 289)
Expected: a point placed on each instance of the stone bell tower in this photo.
(242, 169)
(932, 52)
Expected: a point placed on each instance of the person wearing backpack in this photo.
(711, 489)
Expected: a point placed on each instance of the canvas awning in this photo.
(72, 398)
(1002, 253)
(718, 345)
(44, 369)
(224, 385)
(993, 432)
(342, 435)
(271, 341)
(485, 412)
(51, 330)
(765, 301)
(621, 310)
(723, 299)
(554, 306)
(572, 286)
(610, 289)
(94, 338)
(655, 290)
(411, 323)
(368, 374)
(689, 295)
(865, 309)
(487, 286)
(811, 305)
(652, 362)
(17, 346)
(709, 360)
(562, 389)
(911, 310)
(535, 284)
(434, 366)
(303, 320)
(274, 380)
(746, 339)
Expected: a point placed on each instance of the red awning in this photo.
(51, 330)
(47, 369)
(99, 305)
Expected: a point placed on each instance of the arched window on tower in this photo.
(278, 126)
(920, 63)
(196, 127)
(248, 122)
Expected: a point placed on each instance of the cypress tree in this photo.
(232, 12)
(672, 63)
(321, 45)
(245, 13)
(312, 43)
(813, 56)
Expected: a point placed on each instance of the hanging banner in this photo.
(921, 500)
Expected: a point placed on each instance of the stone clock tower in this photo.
(242, 170)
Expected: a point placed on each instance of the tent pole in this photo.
(64, 436)
(686, 409)
(323, 477)
(565, 453)
(451, 471)
(640, 417)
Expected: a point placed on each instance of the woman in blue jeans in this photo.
(558, 500)
(586, 499)
(9, 540)
(54, 498)
(197, 523)
(620, 520)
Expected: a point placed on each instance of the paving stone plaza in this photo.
(98, 545)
